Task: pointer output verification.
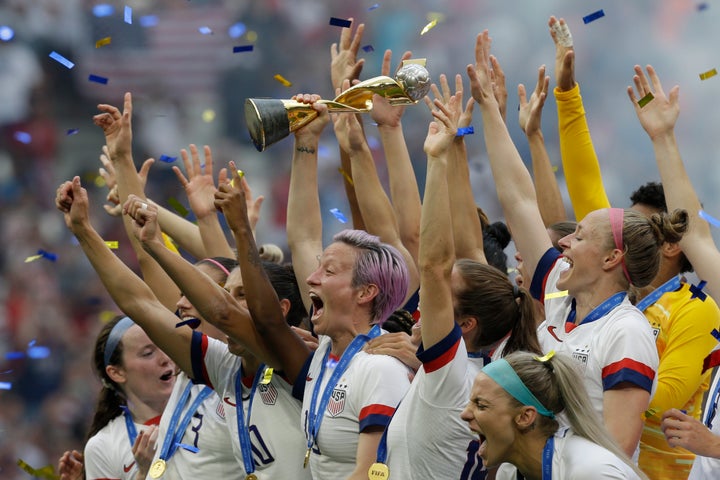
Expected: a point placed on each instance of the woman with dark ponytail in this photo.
(513, 407)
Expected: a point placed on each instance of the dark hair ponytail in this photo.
(524, 330)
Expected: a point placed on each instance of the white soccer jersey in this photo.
(108, 454)
(706, 468)
(278, 444)
(427, 439)
(617, 347)
(366, 395)
(577, 457)
(207, 431)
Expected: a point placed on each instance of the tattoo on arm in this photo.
(305, 149)
(254, 258)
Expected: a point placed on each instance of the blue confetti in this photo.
(709, 218)
(237, 30)
(205, 30)
(6, 33)
(190, 448)
(38, 352)
(14, 355)
(23, 137)
(702, 6)
(243, 48)
(340, 22)
(148, 21)
(61, 60)
(5, 386)
(715, 334)
(593, 16)
(103, 10)
(377, 5)
(98, 79)
(339, 215)
(167, 158)
(697, 291)
(462, 131)
(128, 15)
(368, 48)
(72, 131)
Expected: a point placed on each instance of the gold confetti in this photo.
(267, 376)
(103, 41)
(208, 115)
(99, 181)
(178, 207)
(554, 168)
(241, 174)
(563, 293)
(112, 244)
(107, 315)
(708, 74)
(429, 26)
(282, 80)
(32, 258)
(48, 471)
(251, 36)
(170, 243)
(645, 100)
(347, 177)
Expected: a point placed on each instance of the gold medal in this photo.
(379, 471)
(157, 469)
(251, 476)
(307, 457)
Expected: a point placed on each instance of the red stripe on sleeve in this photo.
(631, 364)
(376, 409)
(443, 359)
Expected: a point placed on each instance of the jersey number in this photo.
(473, 469)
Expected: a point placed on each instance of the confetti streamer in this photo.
(128, 15)
(593, 16)
(167, 158)
(205, 30)
(377, 5)
(112, 244)
(5, 386)
(650, 412)
(368, 48)
(560, 294)
(23, 137)
(554, 168)
(178, 207)
(282, 80)
(462, 131)
(697, 291)
(645, 100)
(340, 22)
(6, 33)
(715, 334)
(38, 352)
(14, 355)
(61, 60)
(709, 218)
(103, 41)
(48, 471)
(72, 131)
(243, 48)
(429, 27)
(708, 74)
(148, 21)
(339, 215)
(107, 315)
(103, 10)
(98, 79)
(347, 177)
(50, 256)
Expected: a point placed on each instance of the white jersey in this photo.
(618, 347)
(278, 444)
(108, 454)
(427, 439)
(706, 468)
(365, 396)
(578, 457)
(207, 432)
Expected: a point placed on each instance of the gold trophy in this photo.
(271, 120)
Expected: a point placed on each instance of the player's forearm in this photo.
(467, 229)
(548, 193)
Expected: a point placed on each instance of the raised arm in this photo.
(127, 290)
(437, 251)
(200, 189)
(514, 185)
(530, 115)
(262, 301)
(404, 190)
(580, 162)
(658, 118)
(304, 222)
(374, 204)
(117, 127)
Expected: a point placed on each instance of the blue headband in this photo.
(504, 375)
(115, 336)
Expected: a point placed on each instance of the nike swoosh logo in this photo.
(551, 330)
(227, 400)
(127, 469)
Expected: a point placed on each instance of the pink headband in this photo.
(617, 216)
(217, 264)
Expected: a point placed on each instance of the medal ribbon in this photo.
(175, 432)
(547, 458)
(315, 415)
(129, 425)
(243, 424)
(599, 311)
(669, 286)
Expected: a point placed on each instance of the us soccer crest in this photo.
(581, 355)
(268, 393)
(336, 405)
(220, 410)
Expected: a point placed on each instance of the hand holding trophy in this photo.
(271, 120)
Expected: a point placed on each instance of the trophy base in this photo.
(267, 121)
